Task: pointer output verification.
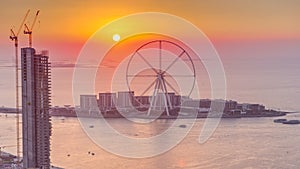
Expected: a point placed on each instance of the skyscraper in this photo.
(35, 70)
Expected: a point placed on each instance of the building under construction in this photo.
(35, 70)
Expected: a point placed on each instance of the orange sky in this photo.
(70, 23)
(79, 19)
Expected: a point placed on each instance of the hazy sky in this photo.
(258, 41)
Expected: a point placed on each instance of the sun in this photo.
(116, 37)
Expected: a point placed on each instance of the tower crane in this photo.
(29, 31)
(14, 37)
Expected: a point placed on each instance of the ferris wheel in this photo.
(159, 71)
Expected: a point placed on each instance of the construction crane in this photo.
(14, 37)
(29, 31)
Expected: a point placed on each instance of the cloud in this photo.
(5, 63)
(66, 64)
(62, 64)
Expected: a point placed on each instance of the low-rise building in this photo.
(230, 105)
(251, 108)
(107, 101)
(88, 103)
(125, 99)
(142, 101)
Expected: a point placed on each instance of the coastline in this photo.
(115, 114)
(163, 116)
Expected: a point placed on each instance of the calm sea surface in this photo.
(237, 143)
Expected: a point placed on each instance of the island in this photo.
(192, 108)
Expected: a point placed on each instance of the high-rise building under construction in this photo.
(36, 129)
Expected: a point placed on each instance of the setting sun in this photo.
(116, 37)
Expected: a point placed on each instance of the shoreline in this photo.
(111, 116)
(199, 115)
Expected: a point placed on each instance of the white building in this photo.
(125, 99)
(162, 101)
(107, 101)
(88, 103)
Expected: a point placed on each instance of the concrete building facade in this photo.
(88, 102)
(141, 101)
(125, 99)
(36, 126)
(107, 101)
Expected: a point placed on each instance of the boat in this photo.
(292, 122)
(279, 120)
(182, 126)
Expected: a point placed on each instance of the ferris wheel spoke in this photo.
(174, 61)
(147, 89)
(179, 75)
(147, 62)
(141, 75)
(168, 84)
(160, 56)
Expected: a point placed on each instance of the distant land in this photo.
(236, 111)
(174, 113)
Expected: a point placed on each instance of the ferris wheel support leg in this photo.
(168, 97)
(153, 97)
(165, 96)
(156, 107)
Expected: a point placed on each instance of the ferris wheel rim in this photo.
(160, 41)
